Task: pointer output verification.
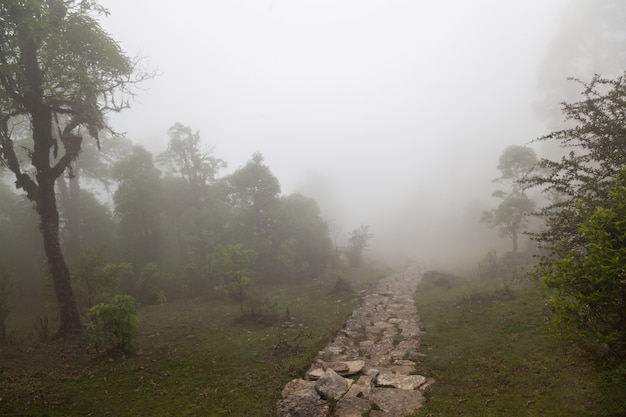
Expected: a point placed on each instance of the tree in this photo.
(252, 192)
(183, 156)
(357, 242)
(583, 236)
(190, 199)
(232, 266)
(61, 72)
(515, 163)
(586, 172)
(305, 246)
(94, 166)
(138, 204)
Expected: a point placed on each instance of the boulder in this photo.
(352, 407)
(332, 385)
(299, 388)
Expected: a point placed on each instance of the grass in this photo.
(487, 348)
(196, 358)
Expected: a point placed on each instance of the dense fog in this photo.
(391, 114)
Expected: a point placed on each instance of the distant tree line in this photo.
(173, 220)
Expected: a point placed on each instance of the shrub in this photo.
(589, 280)
(112, 326)
(96, 280)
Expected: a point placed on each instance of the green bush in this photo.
(112, 326)
(95, 279)
(589, 279)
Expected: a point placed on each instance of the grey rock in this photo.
(361, 388)
(302, 407)
(397, 402)
(332, 385)
(404, 382)
(352, 407)
(299, 388)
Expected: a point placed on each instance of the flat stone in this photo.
(299, 388)
(302, 407)
(315, 374)
(403, 382)
(352, 407)
(345, 368)
(396, 402)
(361, 388)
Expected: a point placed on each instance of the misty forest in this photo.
(312, 208)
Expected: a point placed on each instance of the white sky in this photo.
(381, 101)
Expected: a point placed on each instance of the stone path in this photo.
(369, 368)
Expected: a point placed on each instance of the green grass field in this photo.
(485, 346)
(196, 358)
(488, 349)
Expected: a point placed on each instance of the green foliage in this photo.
(589, 280)
(515, 163)
(357, 242)
(185, 157)
(113, 325)
(306, 249)
(583, 234)
(232, 266)
(138, 204)
(96, 280)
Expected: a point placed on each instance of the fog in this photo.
(389, 113)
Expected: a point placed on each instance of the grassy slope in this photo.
(196, 359)
(488, 350)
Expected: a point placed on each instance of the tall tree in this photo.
(515, 163)
(94, 167)
(252, 192)
(190, 199)
(139, 206)
(60, 70)
(185, 157)
(357, 242)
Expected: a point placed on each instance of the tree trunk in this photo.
(69, 319)
(69, 201)
(45, 198)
